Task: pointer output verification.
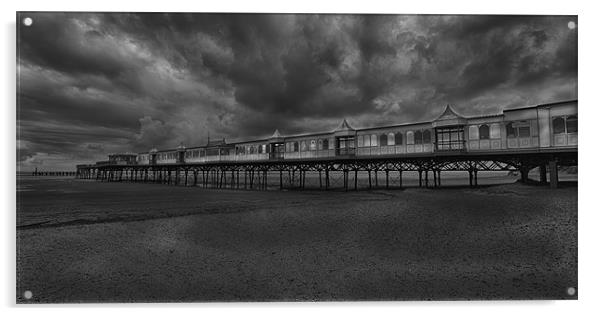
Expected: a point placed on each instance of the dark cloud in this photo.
(96, 83)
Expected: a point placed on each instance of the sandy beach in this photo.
(86, 241)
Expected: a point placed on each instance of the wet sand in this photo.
(85, 241)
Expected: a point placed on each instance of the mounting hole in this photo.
(571, 25)
(27, 21)
(571, 291)
(27, 295)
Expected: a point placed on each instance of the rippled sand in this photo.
(84, 241)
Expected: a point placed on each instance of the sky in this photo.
(90, 84)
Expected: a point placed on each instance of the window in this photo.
(398, 138)
(494, 131)
(417, 137)
(320, 144)
(390, 139)
(510, 130)
(524, 131)
(312, 144)
(295, 146)
(571, 124)
(473, 132)
(360, 141)
(426, 136)
(366, 140)
(383, 139)
(410, 138)
(252, 149)
(373, 140)
(303, 146)
(325, 144)
(559, 125)
(484, 131)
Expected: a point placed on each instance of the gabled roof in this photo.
(344, 126)
(449, 114)
(449, 117)
(276, 134)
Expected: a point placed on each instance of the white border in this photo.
(590, 114)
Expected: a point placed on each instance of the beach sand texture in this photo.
(86, 241)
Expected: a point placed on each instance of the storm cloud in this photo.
(91, 84)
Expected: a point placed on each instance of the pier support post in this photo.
(320, 177)
(524, 174)
(376, 177)
(438, 177)
(355, 180)
(387, 178)
(470, 177)
(327, 179)
(265, 179)
(280, 179)
(369, 179)
(476, 183)
(400, 178)
(553, 174)
(543, 173)
(419, 178)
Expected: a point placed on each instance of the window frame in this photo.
(576, 120)
(430, 137)
(418, 137)
(561, 125)
(484, 132)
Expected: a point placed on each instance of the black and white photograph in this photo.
(168, 157)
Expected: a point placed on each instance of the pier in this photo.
(517, 140)
(341, 173)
